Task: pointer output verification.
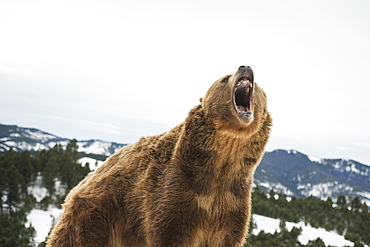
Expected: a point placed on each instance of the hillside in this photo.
(293, 173)
(32, 140)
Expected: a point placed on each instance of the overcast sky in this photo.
(119, 70)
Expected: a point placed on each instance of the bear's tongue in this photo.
(241, 108)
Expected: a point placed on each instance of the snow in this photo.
(38, 135)
(97, 147)
(263, 184)
(315, 159)
(38, 192)
(42, 221)
(22, 145)
(14, 135)
(270, 225)
(366, 196)
(337, 165)
(353, 168)
(276, 187)
(93, 163)
(266, 224)
(323, 190)
(53, 143)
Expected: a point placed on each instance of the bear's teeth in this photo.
(248, 82)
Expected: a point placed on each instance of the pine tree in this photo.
(49, 175)
(13, 187)
(13, 231)
(356, 204)
(25, 168)
(341, 201)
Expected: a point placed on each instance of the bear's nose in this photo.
(243, 67)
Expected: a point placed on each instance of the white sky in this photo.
(119, 70)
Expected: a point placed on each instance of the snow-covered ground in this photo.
(270, 225)
(42, 221)
(93, 163)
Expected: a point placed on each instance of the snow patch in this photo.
(263, 184)
(353, 168)
(270, 225)
(93, 163)
(266, 224)
(315, 159)
(97, 147)
(37, 190)
(323, 190)
(277, 187)
(42, 221)
(14, 135)
(38, 135)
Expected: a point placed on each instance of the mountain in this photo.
(30, 139)
(293, 173)
(285, 171)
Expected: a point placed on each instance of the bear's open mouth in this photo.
(243, 94)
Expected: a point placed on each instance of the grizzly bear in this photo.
(190, 186)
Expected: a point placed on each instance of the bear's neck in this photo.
(202, 150)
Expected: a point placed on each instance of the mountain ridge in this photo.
(33, 140)
(285, 171)
(293, 173)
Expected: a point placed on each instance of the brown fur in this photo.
(190, 186)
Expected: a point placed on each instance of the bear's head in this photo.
(236, 104)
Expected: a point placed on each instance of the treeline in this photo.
(347, 216)
(19, 171)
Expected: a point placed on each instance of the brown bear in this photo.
(190, 186)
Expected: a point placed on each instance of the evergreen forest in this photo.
(21, 170)
(18, 172)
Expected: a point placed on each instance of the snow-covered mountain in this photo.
(30, 139)
(293, 173)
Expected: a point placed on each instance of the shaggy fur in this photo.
(190, 186)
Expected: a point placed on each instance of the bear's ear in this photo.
(225, 80)
(201, 100)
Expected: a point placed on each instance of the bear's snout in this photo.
(243, 67)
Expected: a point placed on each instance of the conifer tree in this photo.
(13, 231)
(13, 187)
(49, 175)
